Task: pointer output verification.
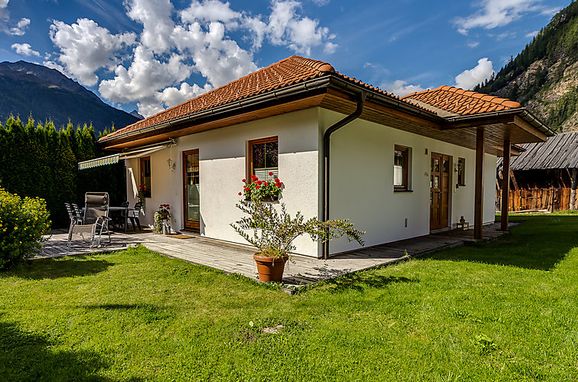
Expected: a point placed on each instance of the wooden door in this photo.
(440, 191)
(191, 190)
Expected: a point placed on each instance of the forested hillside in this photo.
(544, 76)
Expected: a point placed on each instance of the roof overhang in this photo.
(336, 93)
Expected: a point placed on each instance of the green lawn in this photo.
(506, 310)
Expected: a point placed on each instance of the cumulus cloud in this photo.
(497, 13)
(205, 39)
(469, 78)
(24, 50)
(402, 88)
(20, 28)
(86, 47)
(155, 17)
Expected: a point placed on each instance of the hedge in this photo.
(39, 160)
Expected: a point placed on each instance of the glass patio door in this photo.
(192, 192)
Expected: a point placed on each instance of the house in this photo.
(397, 168)
(544, 176)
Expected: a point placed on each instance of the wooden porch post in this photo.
(505, 183)
(479, 185)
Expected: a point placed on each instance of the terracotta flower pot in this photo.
(270, 268)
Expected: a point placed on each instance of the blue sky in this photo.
(152, 54)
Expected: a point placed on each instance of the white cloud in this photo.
(204, 39)
(532, 34)
(155, 17)
(210, 10)
(301, 34)
(402, 88)
(86, 47)
(20, 28)
(498, 13)
(469, 78)
(25, 50)
(473, 44)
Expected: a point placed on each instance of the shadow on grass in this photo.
(540, 242)
(57, 268)
(28, 357)
(146, 312)
(359, 281)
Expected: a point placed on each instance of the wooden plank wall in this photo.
(537, 199)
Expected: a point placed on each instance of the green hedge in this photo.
(22, 224)
(39, 160)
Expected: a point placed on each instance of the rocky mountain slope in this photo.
(30, 89)
(544, 76)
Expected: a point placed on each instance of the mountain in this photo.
(46, 94)
(544, 76)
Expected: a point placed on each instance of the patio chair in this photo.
(76, 223)
(96, 214)
(134, 216)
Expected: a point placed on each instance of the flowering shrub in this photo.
(162, 216)
(22, 224)
(272, 230)
(262, 189)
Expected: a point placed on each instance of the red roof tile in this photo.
(460, 102)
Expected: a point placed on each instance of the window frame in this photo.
(406, 170)
(250, 144)
(142, 160)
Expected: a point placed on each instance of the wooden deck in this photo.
(234, 258)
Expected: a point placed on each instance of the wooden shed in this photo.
(543, 177)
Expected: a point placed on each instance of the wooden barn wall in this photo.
(537, 190)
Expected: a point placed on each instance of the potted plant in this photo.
(141, 194)
(272, 230)
(265, 190)
(162, 219)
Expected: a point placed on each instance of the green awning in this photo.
(115, 158)
(98, 162)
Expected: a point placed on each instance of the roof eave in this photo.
(521, 112)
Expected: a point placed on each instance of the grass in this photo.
(506, 310)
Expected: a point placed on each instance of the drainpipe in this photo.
(326, 151)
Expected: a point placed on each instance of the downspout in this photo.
(326, 156)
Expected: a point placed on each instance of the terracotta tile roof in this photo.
(456, 101)
(286, 72)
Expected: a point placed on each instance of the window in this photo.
(263, 157)
(401, 168)
(461, 171)
(145, 176)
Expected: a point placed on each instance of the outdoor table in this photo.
(124, 211)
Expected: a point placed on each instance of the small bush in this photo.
(22, 224)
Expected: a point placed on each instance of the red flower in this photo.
(270, 173)
(259, 182)
(240, 193)
(247, 189)
(254, 178)
(244, 181)
(265, 184)
(257, 187)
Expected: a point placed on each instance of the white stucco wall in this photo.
(361, 177)
(362, 182)
(222, 161)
